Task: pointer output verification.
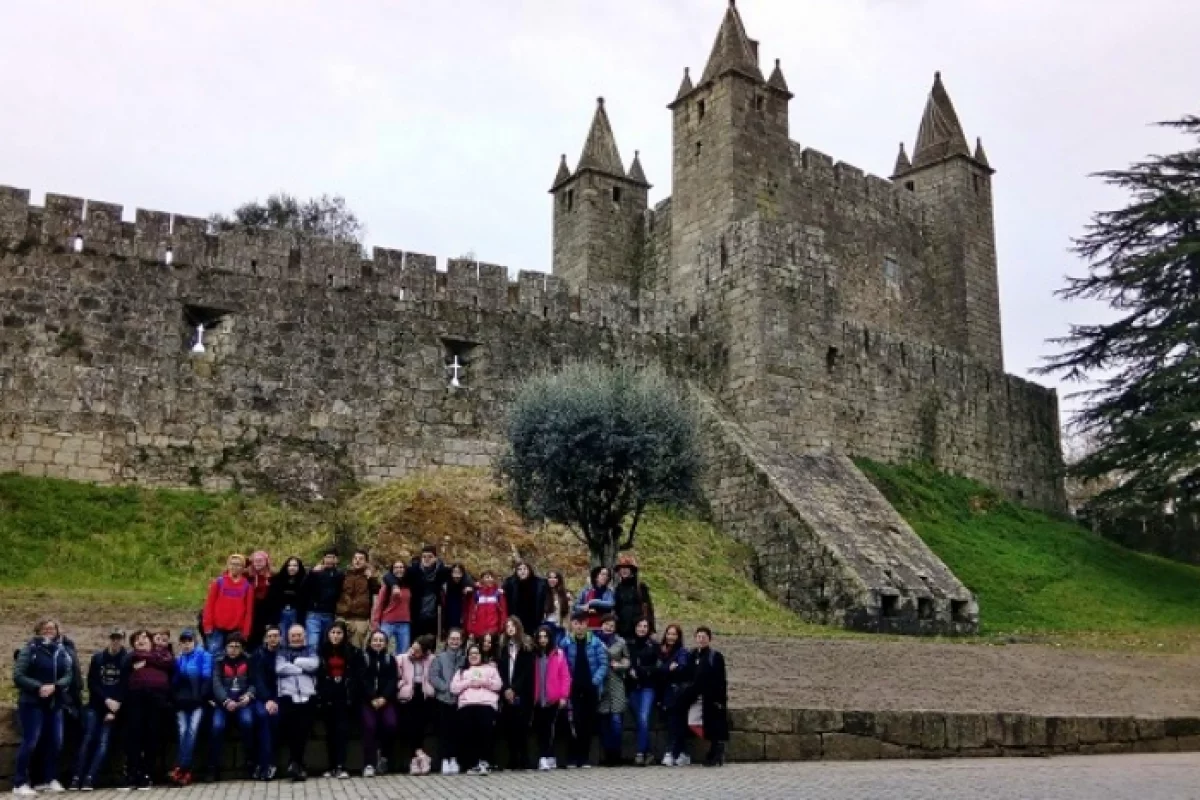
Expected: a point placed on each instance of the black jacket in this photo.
(107, 675)
(338, 691)
(288, 591)
(322, 589)
(233, 679)
(631, 602)
(266, 682)
(516, 675)
(423, 585)
(706, 673)
(377, 676)
(643, 660)
(526, 600)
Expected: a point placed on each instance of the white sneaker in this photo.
(553, 762)
(368, 771)
(683, 760)
(54, 786)
(668, 761)
(454, 766)
(24, 790)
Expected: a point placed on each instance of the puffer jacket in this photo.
(594, 651)
(233, 679)
(612, 699)
(296, 672)
(192, 684)
(558, 679)
(487, 610)
(406, 669)
(43, 662)
(445, 665)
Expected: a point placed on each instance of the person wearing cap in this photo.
(191, 690)
(108, 674)
(631, 599)
(229, 607)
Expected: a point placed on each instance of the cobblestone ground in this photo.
(1149, 777)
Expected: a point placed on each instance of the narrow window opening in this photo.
(867, 340)
(831, 358)
(699, 149)
(912, 187)
(903, 355)
(694, 323)
(891, 274)
(616, 194)
(329, 279)
(700, 108)
(975, 180)
(958, 610)
(925, 608)
(889, 605)
(760, 103)
(1020, 494)
(77, 245)
(935, 365)
(603, 322)
(545, 312)
(475, 300)
(724, 254)
(169, 258)
(570, 199)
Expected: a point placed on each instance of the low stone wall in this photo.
(783, 734)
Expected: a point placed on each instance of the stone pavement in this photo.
(1125, 777)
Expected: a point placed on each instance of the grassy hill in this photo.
(1033, 572)
(90, 547)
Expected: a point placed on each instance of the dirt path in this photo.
(863, 674)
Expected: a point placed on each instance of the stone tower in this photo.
(599, 211)
(956, 189)
(730, 146)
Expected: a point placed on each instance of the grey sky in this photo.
(442, 122)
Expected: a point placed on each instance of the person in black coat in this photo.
(525, 594)
(427, 578)
(709, 683)
(516, 663)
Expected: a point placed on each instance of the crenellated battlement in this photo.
(818, 171)
(71, 224)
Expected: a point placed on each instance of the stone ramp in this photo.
(829, 544)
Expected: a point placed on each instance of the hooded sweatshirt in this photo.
(487, 609)
(108, 674)
(230, 605)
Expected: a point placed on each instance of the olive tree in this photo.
(590, 447)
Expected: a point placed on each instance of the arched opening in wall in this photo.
(958, 610)
(207, 330)
(460, 362)
(889, 605)
(253, 266)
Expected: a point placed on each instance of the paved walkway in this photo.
(1140, 777)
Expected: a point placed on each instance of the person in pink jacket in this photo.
(416, 696)
(551, 689)
(477, 686)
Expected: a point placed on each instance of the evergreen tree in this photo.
(324, 216)
(591, 447)
(1142, 413)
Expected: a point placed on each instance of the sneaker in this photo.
(484, 768)
(585, 765)
(341, 774)
(683, 760)
(572, 765)
(454, 766)
(447, 769)
(270, 772)
(639, 759)
(368, 771)
(24, 790)
(553, 762)
(327, 774)
(668, 761)
(185, 778)
(478, 769)
(543, 765)
(426, 763)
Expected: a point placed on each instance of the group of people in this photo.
(276, 652)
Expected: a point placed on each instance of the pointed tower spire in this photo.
(636, 173)
(563, 174)
(902, 162)
(685, 86)
(777, 81)
(940, 134)
(732, 50)
(980, 155)
(600, 150)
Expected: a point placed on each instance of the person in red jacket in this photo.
(229, 607)
(486, 607)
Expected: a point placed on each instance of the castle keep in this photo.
(816, 312)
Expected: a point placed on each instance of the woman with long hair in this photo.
(596, 599)
(146, 699)
(392, 610)
(557, 609)
(670, 673)
(335, 691)
(377, 690)
(455, 598)
(515, 662)
(477, 686)
(286, 597)
(487, 647)
(259, 574)
(416, 699)
(643, 658)
(551, 689)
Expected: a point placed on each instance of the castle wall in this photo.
(813, 375)
(320, 365)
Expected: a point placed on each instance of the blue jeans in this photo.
(641, 703)
(244, 717)
(315, 626)
(38, 720)
(96, 734)
(268, 732)
(216, 643)
(288, 618)
(188, 724)
(610, 731)
(398, 633)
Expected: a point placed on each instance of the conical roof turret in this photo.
(685, 86)
(636, 173)
(980, 155)
(941, 134)
(777, 81)
(563, 174)
(902, 162)
(600, 149)
(732, 51)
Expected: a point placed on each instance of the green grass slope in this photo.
(85, 546)
(1034, 572)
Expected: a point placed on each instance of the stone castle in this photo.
(816, 312)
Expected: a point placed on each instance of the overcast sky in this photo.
(441, 123)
